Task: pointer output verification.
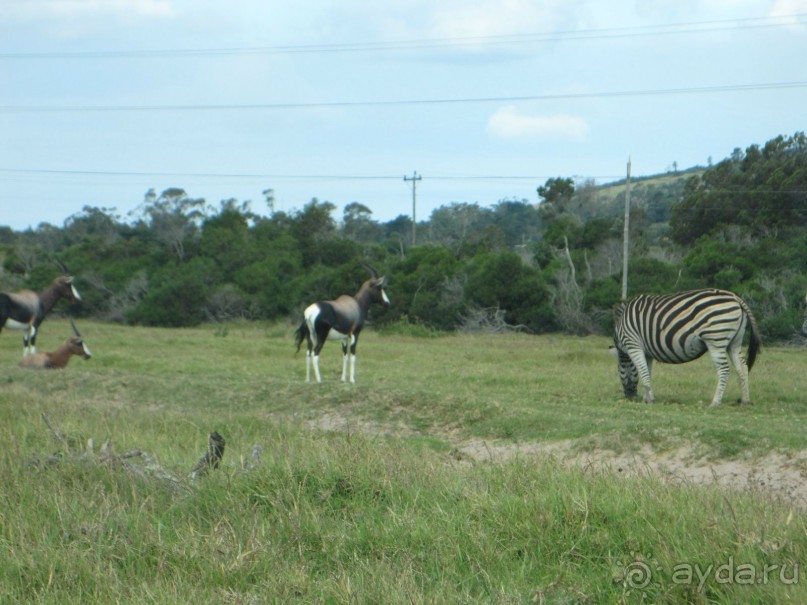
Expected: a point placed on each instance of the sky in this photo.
(339, 100)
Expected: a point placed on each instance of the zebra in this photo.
(681, 327)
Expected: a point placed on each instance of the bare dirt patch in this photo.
(781, 476)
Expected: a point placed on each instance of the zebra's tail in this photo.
(300, 334)
(755, 344)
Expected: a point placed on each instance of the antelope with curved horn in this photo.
(345, 316)
(26, 310)
(58, 359)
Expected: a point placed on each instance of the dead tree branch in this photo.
(211, 458)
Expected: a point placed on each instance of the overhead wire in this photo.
(431, 43)
(399, 102)
(395, 45)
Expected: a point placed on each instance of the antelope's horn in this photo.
(62, 266)
(372, 271)
(75, 329)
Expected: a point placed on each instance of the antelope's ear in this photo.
(382, 281)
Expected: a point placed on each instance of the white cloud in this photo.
(508, 123)
(790, 7)
(92, 13)
(144, 8)
(464, 18)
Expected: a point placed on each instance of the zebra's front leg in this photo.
(643, 366)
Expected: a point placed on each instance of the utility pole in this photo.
(415, 178)
(625, 237)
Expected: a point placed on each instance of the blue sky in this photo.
(337, 100)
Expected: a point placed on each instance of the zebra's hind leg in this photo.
(742, 372)
(721, 363)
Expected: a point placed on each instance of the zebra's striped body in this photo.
(681, 327)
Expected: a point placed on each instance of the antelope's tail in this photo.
(301, 334)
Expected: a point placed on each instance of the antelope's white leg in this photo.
(28, 339)
(308, 366)
(352, 368)
(316, 368)
(344, 366)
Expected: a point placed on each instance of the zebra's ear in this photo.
(613, 350)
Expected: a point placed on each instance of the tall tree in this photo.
(174, 217)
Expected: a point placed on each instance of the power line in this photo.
(431, 43)
(7, 174)
(273, 176)
(404, 102)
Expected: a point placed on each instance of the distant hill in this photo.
(654, 195)
(666, 180)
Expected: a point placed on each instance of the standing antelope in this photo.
(26, 310)
(346, 316)
(681, 327)
(58, 359)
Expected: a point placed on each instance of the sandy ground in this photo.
(781, 476)
(778, 475)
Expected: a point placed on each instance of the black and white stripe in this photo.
(681, 327)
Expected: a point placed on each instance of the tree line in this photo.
(556, 265)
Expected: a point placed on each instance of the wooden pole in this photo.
(626, 237)
(415, 178)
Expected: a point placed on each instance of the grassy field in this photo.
(384, 509)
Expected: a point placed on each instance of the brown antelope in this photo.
(58, 359)
(26, 310)
(345, 316)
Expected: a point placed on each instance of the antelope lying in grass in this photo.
(26, 310)
(345, 316)
(58, 359)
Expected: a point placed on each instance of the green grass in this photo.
(382, 510)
